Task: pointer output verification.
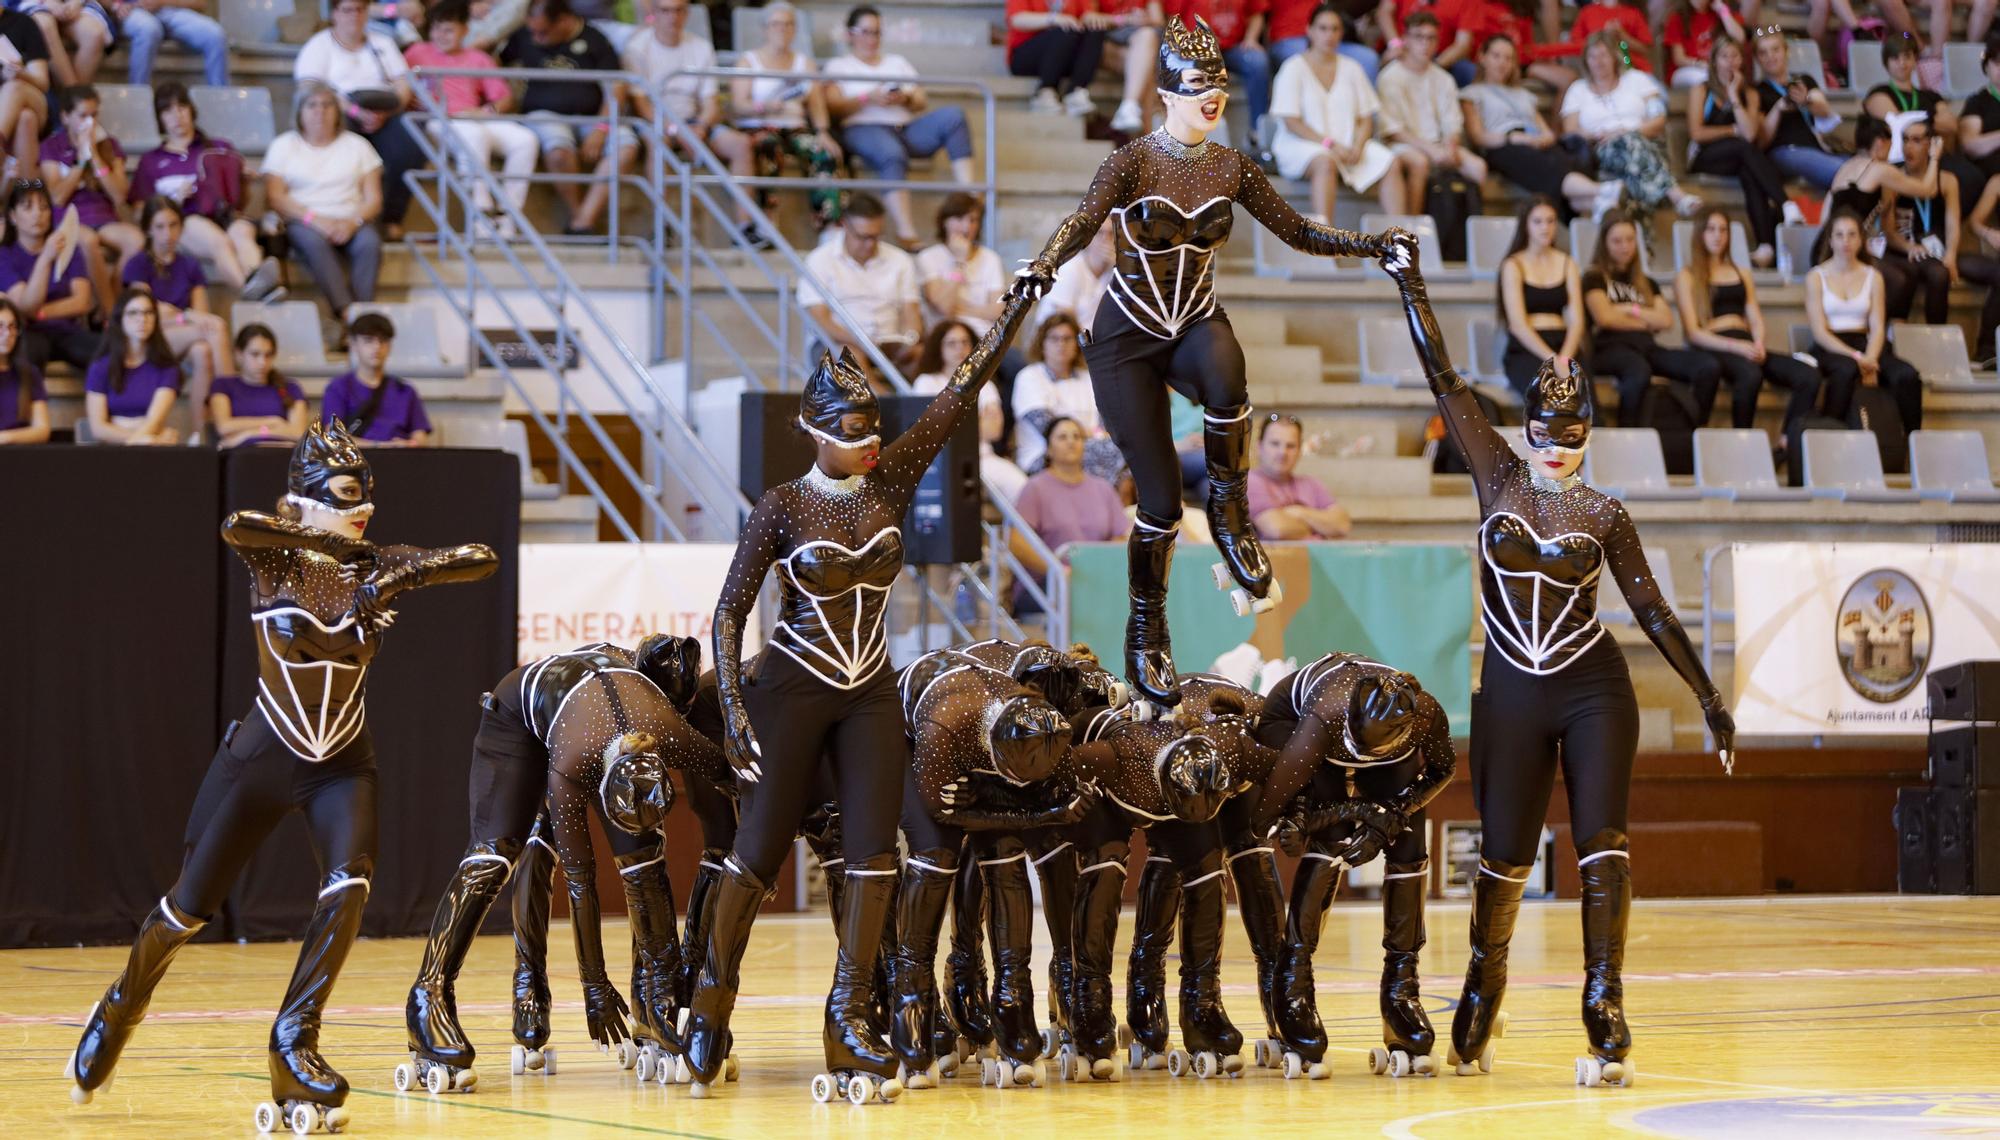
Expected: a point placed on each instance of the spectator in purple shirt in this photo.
(260, 405)
(1284, 504)
(195, 333)
(204, 177)
(1065, 504)
(89, 175)
(379, 409)
(55, 296)
(133, 383)
(24, 402)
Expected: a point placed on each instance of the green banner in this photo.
(1409, 605)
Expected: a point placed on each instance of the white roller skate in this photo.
(522, 1060)
(1240, 599)
(855, 1088)
(303, 1117)
(1005, 1073)
(1386, 1062)
(1484, 1062)
(422, 1072)
(1597, 1073)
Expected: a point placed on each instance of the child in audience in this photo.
(259, 405)
(134, 382)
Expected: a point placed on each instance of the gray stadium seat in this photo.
(1865, 71)
(1627, 463)
(1387, 354)
(1951, 465)
(242, 115)
(1733, 463)
(1801, 339)
(1938, 354)
(1489, 344)
(1739, 245)
(1848, 465)
(1805, 59)
(514, 438)
(1487, 237)
(253, 21)
(126, 111)
(1430, 255)
(1963, 74)
(301, 349)
(1795, 243)
(747, 26)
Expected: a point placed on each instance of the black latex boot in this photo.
(1010, 911)
(1496, 903)
(1100, 891)
(965, 966)
(1056, 870)
(1205, 1025)
(1406, 1028)
(534, 882)
(737, 895)
(431, 1012)
(1146, 969)
(1261, 900)
(1314, 886)
(694, 935)
(1607, 902)
(1225, 434)
(913, 1004)
(298, 1072)
(851, 1039)
(1149, 660)
(123, 1006)
(656, 947)
(879, 1011)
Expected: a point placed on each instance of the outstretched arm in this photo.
(1255, 193)
(410, 568)
(569, 813)
(247, 531)
(755, 551)
(1111, 188)
(1471, 433)
(904, 460)
(1655, 615)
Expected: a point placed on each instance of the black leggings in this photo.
(1905, 280)
(253, 783)
(1745, 377)
(1130, 372)
(1763, 183)
(1584, 717)
(1634, 364)
(74, 345)
(1538, 171)
(1056, 55)
(1522, 365)
(799, 720)
(1843, 376)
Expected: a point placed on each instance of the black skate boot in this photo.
(431, 1012)
(856, 1054)
(1314, 886)
(534, 882)
(1100, 891)
(706, 1044)
(1261, 899)
(1496, 903)
(1056, 871)
(656, 961)
(1226, 439)
(965, 966)
(913, 1004)
(1211, 1045)
(694, 935)
(1149, 660)
(301, 1080)
(1607, 901)
(1146, 969)
(123, 1006)
(1010, 911)
(1407, 1036)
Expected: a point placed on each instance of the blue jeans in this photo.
(144, 30)
(1809, 163)
(1251, 66)
(1371, 63)
(887, 150)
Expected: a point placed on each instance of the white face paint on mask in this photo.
(1552, 461)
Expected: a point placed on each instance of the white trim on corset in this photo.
(309, 742)
(564, 703)
(864, 654)
(1199, 302)
(1527, 646)
(1051, 853)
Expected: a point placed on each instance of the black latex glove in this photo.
(605, 1010)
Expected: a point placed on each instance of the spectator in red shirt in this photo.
(1047, 39)
(1239, 30)
(1613, 13)
(1291, 18)
(1515, 19)
(1457, 28)
(1690, 36)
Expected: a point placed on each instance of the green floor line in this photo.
(463, 1102)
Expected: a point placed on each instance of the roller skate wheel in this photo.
(1486, 1057)
(1257, 1054)
(517, 1063)
(436, 1080)
(1135, 1055)
(1466, 1069)
(947, 1066)
(860, 1089)
(1219, 571)
(464, 1080)
(1241, 602)
(1500, 1025)
(1424, 1066)
(1178, 1063)
(644, 1068)
(1317, 1071)
(1378, 1060)
(822, 1088)
(69, 1066)
(1589, 1072)
(699, 1090)
(1399, 1064)
(1264, 605)
(628, 1054)
(1124, 1035)
(80, 1095)
(1034, 1076)
(1104, 1069)
(1451, 1055)
(1277, 593)
(335, 1119)
(1206, 1065)
(548, 1065)
(1232, 1065)
(664, 1071)
(1294, 1066)
(891, 1090)
(1626, 1076)
(1048, 1041)
(266, 1117)
(305, 1118)
(729, 1067)
(404, 1077)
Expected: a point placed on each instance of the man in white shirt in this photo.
(1081, 282)
(876, 283)
(691, 101)
(882, 115)
(1420, 110)
(373, 80)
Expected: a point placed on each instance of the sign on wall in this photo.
(620, 592)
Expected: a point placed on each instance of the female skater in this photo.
(1172, 193)
(320, 601)
(1553, 687)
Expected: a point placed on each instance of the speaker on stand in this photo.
(1948, 834)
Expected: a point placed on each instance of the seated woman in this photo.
(1724, 126)
(204, 177)
(258, 404)
(193, 330)
(1326, 115)
(24, 402)
(1719, 311)
(1048, 41)
(1846, 308)
(134, 381)
(1693, 31)
(1626, 312)
(1504, 120)
(1065, 504)
(1541, 297)
(326, 183)
(1623, 115)
(960, 278)
(776, 117)
(85, 170)
(1056, 382)
(42, 272)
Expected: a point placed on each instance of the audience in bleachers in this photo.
(24, 88)
(1796, 114)
(1981, 222)
(663, 59)
(1619, 24)
(368, 71)
(325, 183)
(886, 118)
(1692, 34)
(1420, 113)
(1326, 109)
(1627, 315)
(492, 22)
(1858, 187)
(144, 24)
(43, 271)
(85, 170)
(603, 15)
(1056, 383)
(1923, 235)
(569, 117)
(1458, 26)
(24, 400)
(1540, 296)
(877, 283)
(1979, 119)
(1082, 280)
(1848, 316)
(774, 118)
(1132, 51)
(204, 177)
(1064, 503)
(257, 404)
(1000, 472)
(1291, 18)
(1828, 21)
(180, 294)
(1504, 120)
(1901, 101)
(1723, 131)
(76, 33)
(1283, 503)
(1622, 114)
(1719, 312)
(475, 106)
(961, 278)
(134, 382)
(1540, 56)
(379, 409)
(1048, 41)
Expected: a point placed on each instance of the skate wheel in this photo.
(1500, 1025)
(1104, 1069)
(1628, 1073)
(1424, 1066)
(404, 1077)
(80, 1095)
(729, 1067)
(1241, 602)
(1178, 1063)
(517, 1061)
(699, 1091)
(1048, 1042)
(1232, 1066)
(1294, 1066)
(1206, 1065)
(465, 1080)
(1466, 1069)
(860, 1089)
(989, 1073)
(1378, 1060)
(548, 1065)
(644, 1068)
(891, 1090)
(69, 1066)
(822, 1088)
(305, 1118)
(947, 1066)
(266, 1117)
(1399, 1064)
(1276, 595)
(1034, 1076)
(1264, 605)
(1135, 1055)
(1451, 1055)
(1257, 1054)
(1589, 1072)
(628, 1054)
(1317, 1071)
(436, 1080)
(335, 1119)
(1124, 1035)
(1486, 1057)
(1220, 573)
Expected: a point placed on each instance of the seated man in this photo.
(558, 39)
(877, 283)
(379, 410)
(1284, 504)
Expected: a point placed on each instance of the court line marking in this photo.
(465, 1102)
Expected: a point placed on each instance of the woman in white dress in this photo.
(1326, 114)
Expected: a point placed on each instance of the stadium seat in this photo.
(416, 350)
(1583, 243)
(1489, 344)
(1848, 465)
(1487, 237)
(126, 111)
(243, 115)
(253, 21)
(1430, 255)
(1963, 73)
(1865, 71)
(1627, 463)
(301, 351)
(1951, 465)
(1387, 354)
(1801, 339)
(471, 433)
(1795, 243)
(747, 26)
(1733, 463)
(1805, 58)
(1739, 245)
(514, 438)
(1938, 354)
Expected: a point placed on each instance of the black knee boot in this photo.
(1496, 903)
(298, 1072)
(1010, 910)
(431, 1012)
(1056, 871)
(913, 1005)
(1314, 886)
(1146, 968)
(1260, 898)
(1149, 660)
(853, 1042)
(123, 1006)
(1100, 891)
(694, 934)
(737, 895)
(1607, 902)
(1405, 1026)
(1205, 1025)
(965, 966)
(1225, 434)
(656, 947)
(534, 882)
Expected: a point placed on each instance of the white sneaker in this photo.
(1793, 215)
(1128, 118)
(1045, 102)
(1608, 196)
(1078, 103)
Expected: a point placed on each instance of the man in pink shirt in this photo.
(1287, 505)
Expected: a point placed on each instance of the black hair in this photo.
(447, 12)
(1870, 131)
(112, 348)
(275, 379)
(862, 204)
(372, 325)
(17, 358)
(22, 189)
(957, 204)
(1898, 46)
(155, 206)
(1334, 10)
(173, 93)
(857, 13)
(552, 9)
(81, 93)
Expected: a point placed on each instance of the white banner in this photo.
(1837, 638)
(620, 592)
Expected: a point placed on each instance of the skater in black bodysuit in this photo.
(320, 602)
(1554, 688)
(1170, 194)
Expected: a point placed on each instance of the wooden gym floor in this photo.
(1766, 1018)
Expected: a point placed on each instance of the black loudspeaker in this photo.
(1969, 690)
(943, 522)
(1957, 755)
(1967, 834)
(1916, 859)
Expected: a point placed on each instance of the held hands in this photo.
(1032, 282)
(1375, 828)
(739, 744)
(605, 1009)
(1079, 805)
(1288, 834)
